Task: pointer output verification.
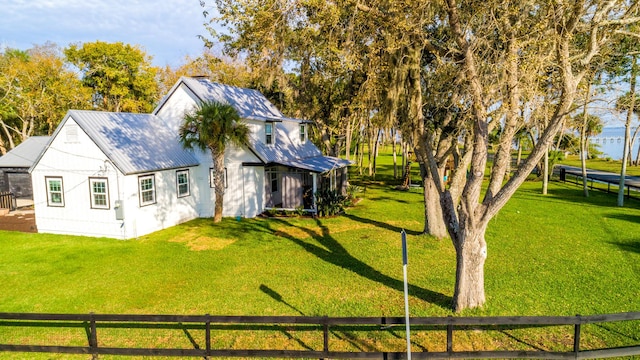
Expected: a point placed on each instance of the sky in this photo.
(167, 30)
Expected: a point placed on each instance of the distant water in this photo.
(611, 142)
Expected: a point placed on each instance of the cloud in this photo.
(166, 29)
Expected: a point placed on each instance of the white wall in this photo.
(181, 102)
(76, 162)
(244, 195)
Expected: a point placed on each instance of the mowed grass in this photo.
(559, 254)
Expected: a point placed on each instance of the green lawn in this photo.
(559, 254)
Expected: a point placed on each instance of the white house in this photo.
(124, 175)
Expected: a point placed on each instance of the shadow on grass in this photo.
(331, 251)
(277, 297)
(633, 246)
(381, 224)
(625, 217)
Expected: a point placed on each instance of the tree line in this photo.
(448, 75)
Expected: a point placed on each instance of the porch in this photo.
(294, 189)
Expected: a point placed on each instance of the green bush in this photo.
(352, 195)
(329, 202)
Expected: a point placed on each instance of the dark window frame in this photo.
(187, 184)
(49, 192)
(106, 193)
(152, 190)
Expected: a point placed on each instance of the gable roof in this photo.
(253, 105)
(135, 143)
(249, 103)
(26, 153)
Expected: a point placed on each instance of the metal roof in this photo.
(26, 153)
(317, 164)
(251, 104)
(285, 152)
(135, 143)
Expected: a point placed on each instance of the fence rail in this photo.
(8, 201)
(577, 178)
(92, 323)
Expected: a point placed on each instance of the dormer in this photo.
(269, 133)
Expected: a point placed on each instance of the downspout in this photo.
(115, 169)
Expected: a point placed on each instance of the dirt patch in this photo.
(19, 220)
(198, 242)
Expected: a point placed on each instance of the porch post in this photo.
(314, 178)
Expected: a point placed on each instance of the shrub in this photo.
(352, 195)
(329, 202)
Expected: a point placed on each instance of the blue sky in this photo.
(165, 29)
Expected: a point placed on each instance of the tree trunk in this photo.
(375, 153)
(471, 253)
(545, 173)
(519, 153)
(218, 184)
(348, 141)
(583, 138)
(395, 160)
(627, 131)
(433, 220)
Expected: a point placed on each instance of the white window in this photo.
(268, 131)
(212, 177)
(303, 133)
(147, 187)
(99, 188)
(55, 192)
(182, 182)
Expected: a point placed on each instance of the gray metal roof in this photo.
(250, 104)
(26, 153)
(253, 105)
(135, 143)
(317, 164)
(304, 156)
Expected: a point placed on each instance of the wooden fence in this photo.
(93, 325)
(576, 178)
(7, 201)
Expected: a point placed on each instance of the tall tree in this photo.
(473, 29)
(120, 76)
(624, 63)
(220, 69)
(36, 90)
(214, 126)
(496, 62)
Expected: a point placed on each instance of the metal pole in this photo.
(406, 291)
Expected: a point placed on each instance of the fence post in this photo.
(93, 337)
(207, 336)
(576, 335)
(325, 332)
(449, 335)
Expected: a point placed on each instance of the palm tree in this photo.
(213, 126)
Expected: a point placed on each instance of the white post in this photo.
(314, 179)
(405, 263)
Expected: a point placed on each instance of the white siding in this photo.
(75, 161)
(78, 160)
(181, 102)
(244, 195)
(240, 189)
